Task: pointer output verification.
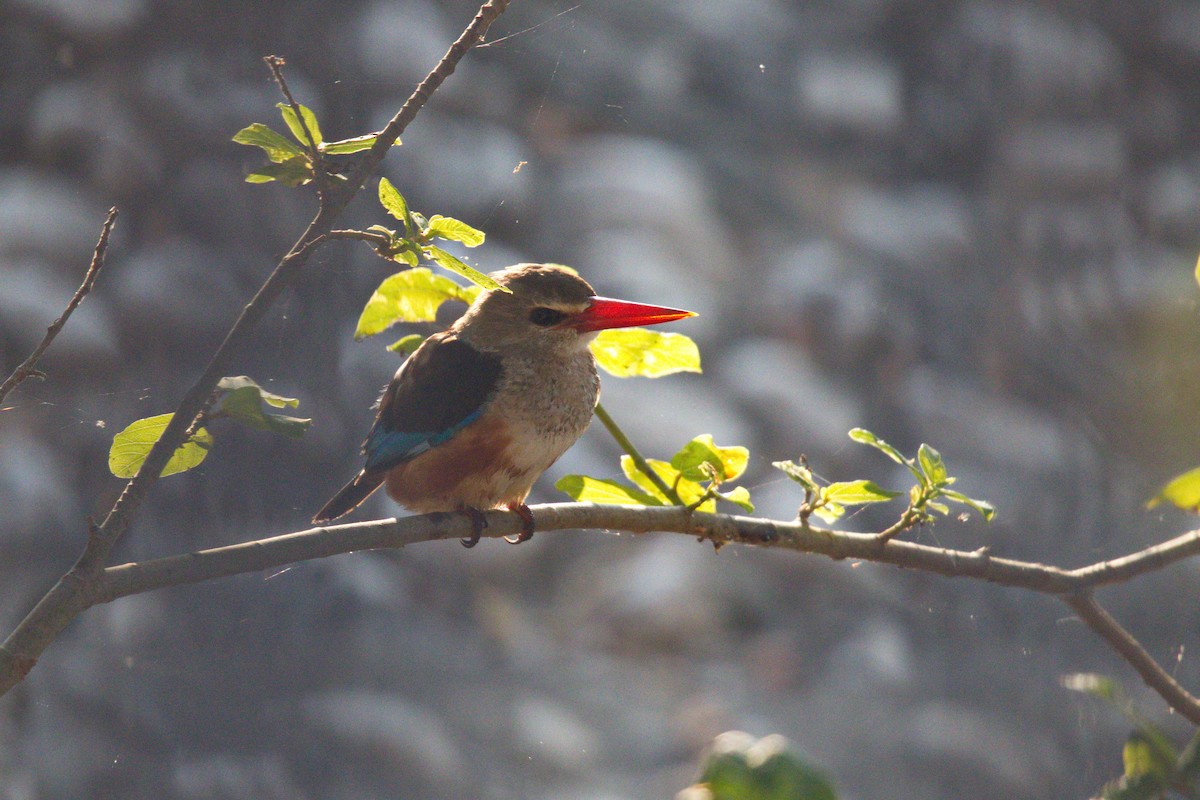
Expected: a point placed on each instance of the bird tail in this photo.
(351, 496)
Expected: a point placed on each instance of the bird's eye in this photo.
(545, 317)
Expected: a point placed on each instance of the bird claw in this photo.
(478, 523)
(522, 511)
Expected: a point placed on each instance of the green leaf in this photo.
(864, 436)
(661, 468)
(690, 492)
(729, 462)
(1143, 756)
(856, 493)
(739, 496)
(293, 123)
(447, 261)
(406, 345)
(627, 352)
(1198, 270)
(344, 147)
(245, 382)
(410, 296)
(131, 446)
(784, 776)
(932, 465)
(830, 511)
(293, 172)
(243, 399)
(455, 230)
(738, 767)
(277, 148)
(799, 473)
(985, 509)
(394, 203)
(1182, 491)
(587, 489)
(406, 256)
(1100, 686)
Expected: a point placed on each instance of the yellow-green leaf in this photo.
(985, 509)
(830, 512)
(932, 464)
(661, 468)
(627, 352)
(1182, 491)
(296, 171)
(689, 491)
(413, 295)
(739, 496)
(344, 147)
(242, 400)
(406, 345)
(394, 203)
(131, 446)
(864, 436)
(855, 493)
(293, 123)
(729, 462)
(233, 384)
(277, 148)
(799, 473)
(455, 230)
(1143, 760)
(587, 489)
(447, 261)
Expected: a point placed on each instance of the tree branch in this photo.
(69, 595)
(1072, 586)
(1119, 639)
(28, 367)
(720, 529)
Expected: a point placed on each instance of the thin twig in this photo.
(276, 65)
(1157, 678)
(638, 461)
(28, 367)
(470, 37)
(377, 239)
(71, 594)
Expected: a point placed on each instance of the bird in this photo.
(479, 411)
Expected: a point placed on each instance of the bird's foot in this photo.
(522, 511)
(478, 523)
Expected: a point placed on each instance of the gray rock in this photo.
(854, 91)
(1056, 157)
(925, 228)
(47, 215)
(554, 736)
(404, 737)
(94, 20)
(1053, 59)
(82, 121)
(794, 397)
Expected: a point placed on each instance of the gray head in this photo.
(549, 308)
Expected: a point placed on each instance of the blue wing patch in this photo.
(442, 388)
(384, 447)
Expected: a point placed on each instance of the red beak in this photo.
(604, 312)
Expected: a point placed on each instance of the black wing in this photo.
(443, 387)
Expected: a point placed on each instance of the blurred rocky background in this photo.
(968, 223)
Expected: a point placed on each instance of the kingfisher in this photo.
(479, 411)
